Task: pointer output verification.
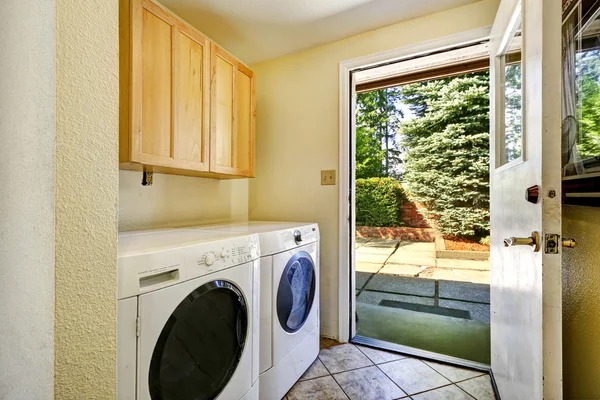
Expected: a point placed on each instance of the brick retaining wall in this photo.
(411, 217)
(402, 233)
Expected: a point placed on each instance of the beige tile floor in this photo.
(347, 371)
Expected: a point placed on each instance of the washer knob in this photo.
(297, 237)
(223, 254)
(209, 260)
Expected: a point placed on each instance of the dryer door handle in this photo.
(240, 326)
(285, 302)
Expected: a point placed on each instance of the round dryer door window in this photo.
(201, 344)
(296, 292)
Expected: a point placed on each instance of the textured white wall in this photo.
(174, 200)
(27, 133)
(297, 130)
(87, 185)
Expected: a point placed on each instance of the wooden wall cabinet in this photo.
(232, 115)
(187, 107)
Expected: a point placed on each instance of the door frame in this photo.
(346, 153)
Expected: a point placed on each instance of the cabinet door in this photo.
(191, 98)
(170, 91)
(151, 85)
(233, 116)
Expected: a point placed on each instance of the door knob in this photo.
(533, 241)
(569, 243)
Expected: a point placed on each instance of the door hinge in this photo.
(138, 326)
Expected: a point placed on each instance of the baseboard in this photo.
(329, 333)
(494, 386)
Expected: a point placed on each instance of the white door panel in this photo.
(526, 315)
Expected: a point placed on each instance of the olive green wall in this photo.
(581, 304)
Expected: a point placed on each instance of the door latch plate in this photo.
(551, 243)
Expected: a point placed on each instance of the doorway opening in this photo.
(421, 208)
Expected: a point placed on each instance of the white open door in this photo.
(526, 315)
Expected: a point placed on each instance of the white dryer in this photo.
(289, 311)
(187, 320)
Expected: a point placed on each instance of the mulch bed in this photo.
(453, 243)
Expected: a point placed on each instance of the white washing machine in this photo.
(289, 311)
(187, 320)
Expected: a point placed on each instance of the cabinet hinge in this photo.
(138, 327)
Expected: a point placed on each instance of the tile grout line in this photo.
(393, 381)
(332, 376)
(463, 390)
(454, 383)
(329, 374)
(453, 366)
(340, 386)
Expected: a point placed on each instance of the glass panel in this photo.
(581, 91)
(512, 144)
(296, 292)
(201, 344)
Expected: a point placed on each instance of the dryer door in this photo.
(200, 345)
(295, 298)
(296, 292)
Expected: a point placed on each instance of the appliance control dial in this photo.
(224, 254)
(297, 237)
(209, 260)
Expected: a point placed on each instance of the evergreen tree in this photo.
(377, 120)
(446, 146)
(588, 103)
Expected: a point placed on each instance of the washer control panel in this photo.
(209, 258)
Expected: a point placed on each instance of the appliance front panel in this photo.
(126, 347)
(266, 314)
(169, 330)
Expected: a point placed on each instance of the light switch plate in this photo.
(328, 177)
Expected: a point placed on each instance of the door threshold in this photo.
(412, 351)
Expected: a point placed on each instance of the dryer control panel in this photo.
(205, 260)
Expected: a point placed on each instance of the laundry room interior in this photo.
(182, 187)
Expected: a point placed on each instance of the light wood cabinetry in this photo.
(187, 107)
(233, 115)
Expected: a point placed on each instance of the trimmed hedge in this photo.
(378, 202)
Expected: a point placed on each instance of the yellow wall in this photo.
(179, 200)
(581, 304)
(87, 179)
(297, 130)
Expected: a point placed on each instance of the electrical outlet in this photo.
(328, 177)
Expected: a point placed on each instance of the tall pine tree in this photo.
(446, 148)
(377, 120)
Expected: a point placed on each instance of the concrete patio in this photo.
(404, 290)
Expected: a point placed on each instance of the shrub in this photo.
(378, 202)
